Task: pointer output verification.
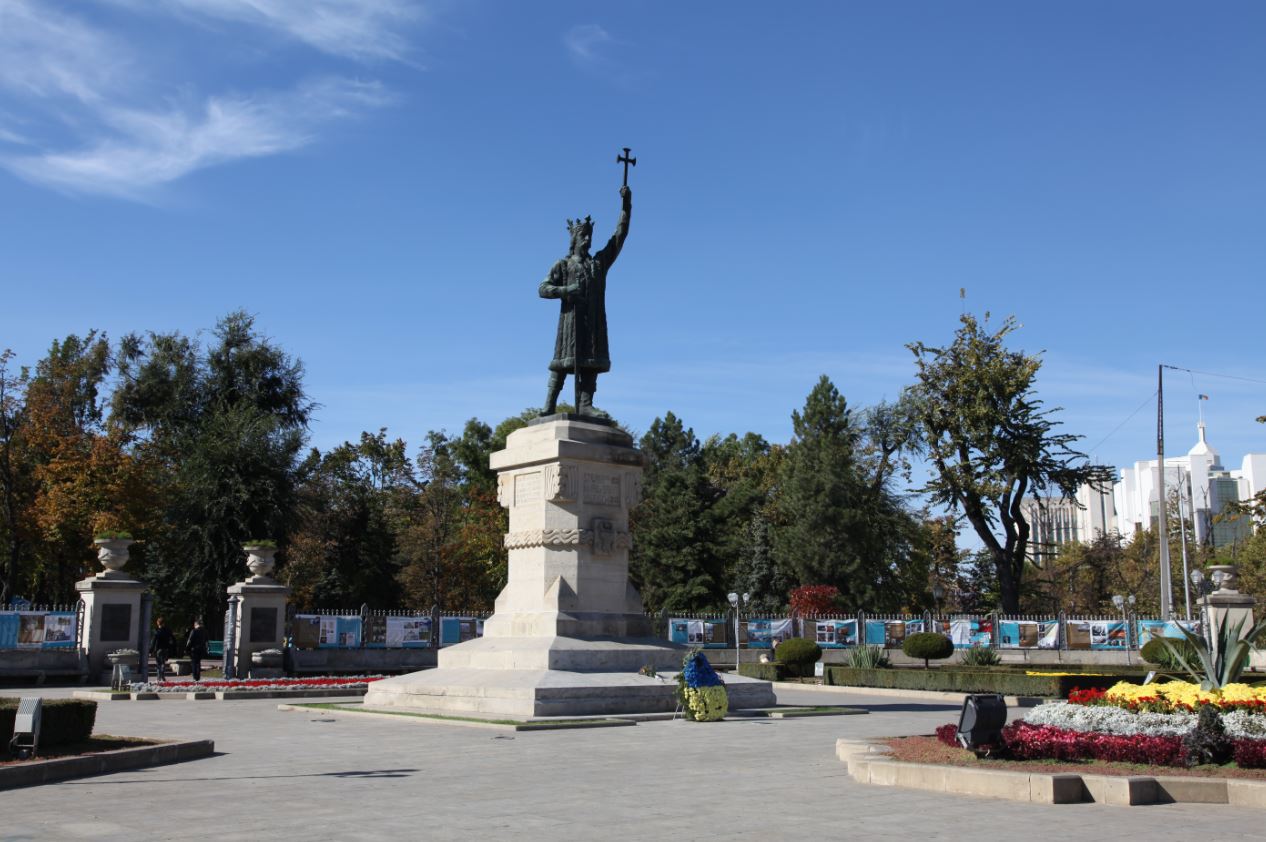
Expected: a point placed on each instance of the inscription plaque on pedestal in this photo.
(116, 622)
(263, 625)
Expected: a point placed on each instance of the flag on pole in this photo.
(1203, 397)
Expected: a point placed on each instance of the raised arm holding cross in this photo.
(580, 282)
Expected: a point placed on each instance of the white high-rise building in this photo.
(1130, 506)
(1203, 484)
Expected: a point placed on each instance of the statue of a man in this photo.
(580, 281)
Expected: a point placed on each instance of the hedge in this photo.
(765, 672)
(799, 654)
(1006, 682)
(62, 721)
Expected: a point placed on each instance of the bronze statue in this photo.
(580, 281)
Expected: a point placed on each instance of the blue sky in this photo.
(385, 183)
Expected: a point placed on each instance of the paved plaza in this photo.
(306, 775)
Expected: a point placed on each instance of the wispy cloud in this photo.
(102, 116)
(47, 54)
(357, 29)
(152, 148)
(585, 40)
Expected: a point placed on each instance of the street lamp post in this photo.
(738, 602)
(938, 593)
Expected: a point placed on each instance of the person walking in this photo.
(164, 642)
(196, 648)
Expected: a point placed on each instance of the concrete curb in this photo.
(36, 772)
(869, 763)
(925, 695)
(218, 695)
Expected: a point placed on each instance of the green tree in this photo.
(674, 562)
(223, 428)
(15, 486)
(990, 442)
(838, 522)
(351, 503)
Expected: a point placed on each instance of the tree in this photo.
(223, 429)
(674, 562)
(991, 442)
(838, 522)
(344, 550)
(14, 484)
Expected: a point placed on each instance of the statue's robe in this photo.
(582, 319)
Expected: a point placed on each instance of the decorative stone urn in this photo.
(260, 560)
(267, 658)
(113, 553)
(126, 657)
(1225, 576)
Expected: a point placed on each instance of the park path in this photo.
(305, 775)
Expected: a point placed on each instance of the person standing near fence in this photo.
(196, 648)
(164, 642)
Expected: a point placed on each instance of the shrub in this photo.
(62, 721)
(1156, 652)
(868, 658)
(799, 654)
(928, 646)
(961, 680)
(765, 672)
(981, 656)
(1208, 742)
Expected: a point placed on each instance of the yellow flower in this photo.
(707, 704)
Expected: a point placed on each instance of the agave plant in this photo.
(1214, 670)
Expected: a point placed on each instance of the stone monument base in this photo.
(517, 691)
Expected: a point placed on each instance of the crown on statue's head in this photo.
(576, 226)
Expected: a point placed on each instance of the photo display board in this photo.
(710, 634)
(761, 633)
(1148, 629)
(38, 629)
(459, 629)
(1028, 634)
(836, 634)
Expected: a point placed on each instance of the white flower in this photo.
(1104, 719)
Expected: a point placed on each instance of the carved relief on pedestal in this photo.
(604, 538)
(527, 488)
(560, 483)
(632, 489)
(602, 490)
(505, 490)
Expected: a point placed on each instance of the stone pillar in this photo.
(112, 609)
(1226, 606)
(569, 486)
(261, 615)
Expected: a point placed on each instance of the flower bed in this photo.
(260, 684)
(1168, 724)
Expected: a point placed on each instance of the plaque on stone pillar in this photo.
(263, 628)
(116, 623)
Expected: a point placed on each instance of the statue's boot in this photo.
(555, 387)
(589, 385)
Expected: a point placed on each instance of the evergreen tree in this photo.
(674, 562)
(222, 430)
(837, 524)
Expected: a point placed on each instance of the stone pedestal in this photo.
(1226, 607)
(261, 621)
(112, 618)
(568, 635)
